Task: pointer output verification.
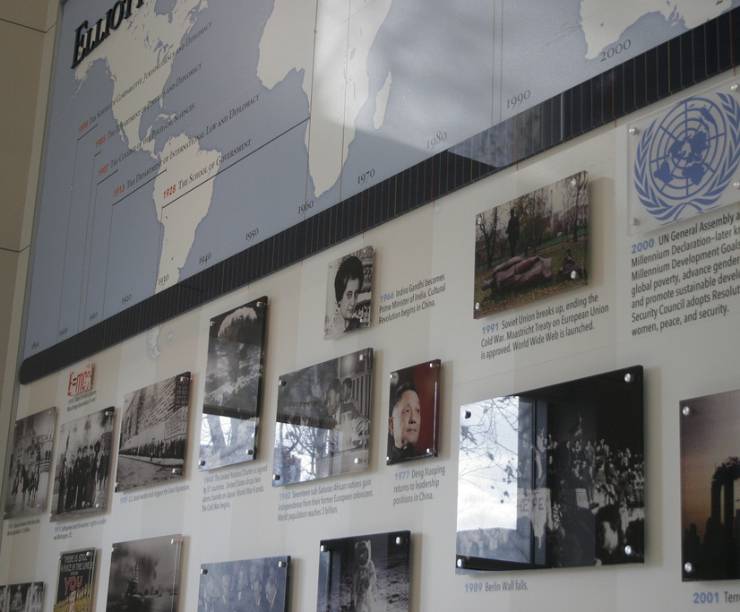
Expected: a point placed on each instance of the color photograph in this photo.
(154, 434)
(413, 417)
(76, 584)
(349, 293)
(710, 468)
(365, 573)
(29, 470)
(554, 477)
(83, 465)
(533, 247)
(257, 585)
(323, 419)
(233, 393)
(145, 575)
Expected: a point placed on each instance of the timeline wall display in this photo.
(76, 583)
(710, 428)
(256, 585)
(233, 394)
(554, 477)
(83, 464)
(154, 434)
(29, 468)
(324, 419)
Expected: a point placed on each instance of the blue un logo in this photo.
(686, 159)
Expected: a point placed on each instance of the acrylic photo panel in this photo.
(365, 573)
(233, 393)
(29, 470)
(145, 575)
(554, 477)
(710, 468)
(533, 247)
(349, 293)
(154, 433)
(83, 463)
(26, 597)
(76, 584)
(257, 585)
(413, 412)
(323, 420)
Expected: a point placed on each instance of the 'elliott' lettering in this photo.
(88, 38)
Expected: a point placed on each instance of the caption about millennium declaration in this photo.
(686, 275)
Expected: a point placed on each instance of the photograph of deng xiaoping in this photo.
(258, 585)
(533, 247)
(83, 465)
(323, 419)
(29, 470)
(145, 575)
(365, 573)
(76, 584)
(710, 467)
(154, 433)
(413, 412)
(553, 477)
(349, 293)
(233, 394)
(27, 597)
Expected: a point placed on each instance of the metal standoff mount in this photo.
(628, 550)
(686, 410)
(460, 562)
(633, 131)
(468, 414)
(688, 567)
(275, 477)
(322, 548)
(734, 88)
(399, 540)
(628, 377)
(203, 571)
(282, 564)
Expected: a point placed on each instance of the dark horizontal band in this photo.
(691, 58)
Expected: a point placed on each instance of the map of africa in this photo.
(202, 127)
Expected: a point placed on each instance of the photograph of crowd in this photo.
(145, 575)
(29, 467)
(710, 468)
(349, 293)
(76, 584)
(233, 386)
(365, 573)
(323, 419)
(533, 247)
(27, 597)
(154, 433)
(258, 585)
(553, 477)
(413, 412)
(83, 465)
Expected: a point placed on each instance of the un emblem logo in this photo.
(686, 160)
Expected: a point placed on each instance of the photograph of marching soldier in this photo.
(29, 469)
(154, 434)
(81, 482)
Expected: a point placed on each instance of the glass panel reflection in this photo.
(553, 477)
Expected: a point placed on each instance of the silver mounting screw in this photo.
(460, 562)
(399, 540)
(633, 131)
(734, 88)
(688, 567)
(628, 550)
(686, 410)
(628, 377)
(477, 305)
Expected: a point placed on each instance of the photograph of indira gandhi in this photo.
(413, 412)
(349, 293)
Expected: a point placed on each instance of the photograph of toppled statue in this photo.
(365, 573)
(256, 585)
(233, 394)
(553, 477)
(323, 419)
(533, 247)
(710, 468)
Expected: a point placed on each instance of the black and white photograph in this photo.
(256, 585)
(533, 247)
(349, 293)
(323, 419)
(154, 434)
(710, 468)
(554, 477)
(82, 470)
(145, 575)
(365, 573)
(413, 415)
(29, 469)
(233, 394)
(26, 597)
(76, 584)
